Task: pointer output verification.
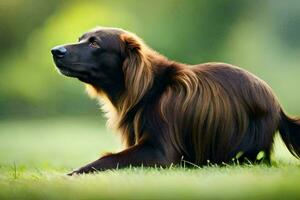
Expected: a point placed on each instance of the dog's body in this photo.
(168, 111)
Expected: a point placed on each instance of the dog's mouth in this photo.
(66, 70)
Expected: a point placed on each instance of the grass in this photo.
(35, 155)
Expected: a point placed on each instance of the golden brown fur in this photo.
(204, 113)
(210, 111)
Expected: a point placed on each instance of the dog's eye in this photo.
(94, 44)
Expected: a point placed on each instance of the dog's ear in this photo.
(131, 42)
(137, 70)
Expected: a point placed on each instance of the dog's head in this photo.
(111, 60)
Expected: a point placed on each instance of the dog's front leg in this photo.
(138, 155)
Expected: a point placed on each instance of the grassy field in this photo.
(36, 154)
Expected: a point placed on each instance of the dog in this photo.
(167, 112)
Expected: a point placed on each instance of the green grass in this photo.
(35, 155)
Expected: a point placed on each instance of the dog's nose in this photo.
(59, 51)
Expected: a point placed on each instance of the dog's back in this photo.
(220, 111)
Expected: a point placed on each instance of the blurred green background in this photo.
(260, 36)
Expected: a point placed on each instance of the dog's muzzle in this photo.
(59, 51)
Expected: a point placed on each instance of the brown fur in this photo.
(207, 113)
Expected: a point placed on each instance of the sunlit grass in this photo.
(35, 155)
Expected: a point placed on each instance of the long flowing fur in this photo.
(214, 116)
(205, 113)
(289, 129)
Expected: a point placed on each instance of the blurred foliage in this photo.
(261, 36)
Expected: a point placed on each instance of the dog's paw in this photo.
(73, 173)
(83, 170)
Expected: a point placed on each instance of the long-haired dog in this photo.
(166, 111)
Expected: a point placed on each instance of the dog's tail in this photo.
(289, 129)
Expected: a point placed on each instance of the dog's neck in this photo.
(116, 119)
